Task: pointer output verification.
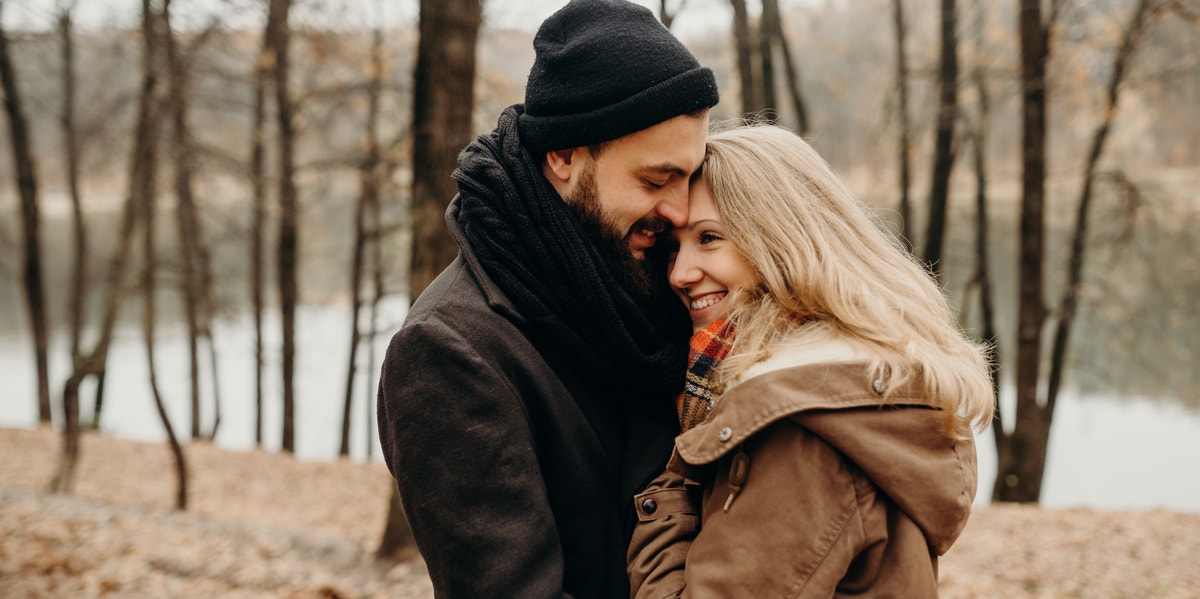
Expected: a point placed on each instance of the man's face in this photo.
(637, 189)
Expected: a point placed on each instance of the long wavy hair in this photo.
(824, 261)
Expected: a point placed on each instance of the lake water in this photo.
(1105, 452)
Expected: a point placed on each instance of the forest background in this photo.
(276, 210)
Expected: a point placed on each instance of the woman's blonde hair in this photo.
(823, 259)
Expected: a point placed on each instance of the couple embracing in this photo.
(672, 363)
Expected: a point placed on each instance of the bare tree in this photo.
(766, 60)
(1143, 14)
(367, 200)
(277, 40)
(772, 25)
(25, 168)
(444, 82)
(377, 294)
(943, 160)
(905, 143)
(92, 363)
(744, 46)
(193, 255)
(258, 224)
(1021, 455)
(666, 14)
(981, 280)
(154, 25)
(78, 287)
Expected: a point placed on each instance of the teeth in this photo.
(707, 301)
(648, 233)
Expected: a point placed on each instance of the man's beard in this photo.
(633, 274)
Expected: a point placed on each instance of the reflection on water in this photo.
(1105, 452)
(321, 362)
(1113, 453)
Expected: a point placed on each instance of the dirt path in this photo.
(265, 525)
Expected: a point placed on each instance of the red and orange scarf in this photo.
(707, 348)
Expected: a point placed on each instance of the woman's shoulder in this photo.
(797, 355)
(789, 390)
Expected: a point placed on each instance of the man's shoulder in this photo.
(458, 305)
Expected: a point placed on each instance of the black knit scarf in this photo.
(534, 249)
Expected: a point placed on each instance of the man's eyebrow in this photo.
(666, 167)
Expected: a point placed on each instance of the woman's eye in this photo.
(708, 237)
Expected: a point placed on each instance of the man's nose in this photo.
(674, 207)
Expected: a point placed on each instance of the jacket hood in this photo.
(901, 446)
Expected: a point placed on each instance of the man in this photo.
(528, 396)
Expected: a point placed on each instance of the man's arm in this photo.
(457, 440)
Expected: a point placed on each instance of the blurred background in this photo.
(209, 208)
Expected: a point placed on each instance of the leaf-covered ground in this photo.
(265, 525)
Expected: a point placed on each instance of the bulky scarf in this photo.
(534, 249)
(707, 348)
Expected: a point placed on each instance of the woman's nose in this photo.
(684, 272)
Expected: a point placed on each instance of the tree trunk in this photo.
(443, 99)
(377, 293)
(98, 396)
(368, 195)
(666, 15)
(943, 160)
(185, 212)
(25, 169)
(905, 143)
(376, 236)
(77, 289)
(743, 38)
(154, 26)
(1021, 456)
(93, 362)
(286, 256)
(258, 226)
(779, 38)
(766, 58)
(982, 280)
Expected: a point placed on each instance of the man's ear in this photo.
(561, 164)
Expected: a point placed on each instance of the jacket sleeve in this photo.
(794, 529)
(668, 519)
(456, 439)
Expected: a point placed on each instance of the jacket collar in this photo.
(782, 390)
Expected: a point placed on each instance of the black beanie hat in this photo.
(605, 69)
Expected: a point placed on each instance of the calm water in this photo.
(1105, 452)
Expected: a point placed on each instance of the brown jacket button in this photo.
(649, 506)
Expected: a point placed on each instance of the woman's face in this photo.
(707, 268)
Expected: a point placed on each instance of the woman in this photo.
(830, 402)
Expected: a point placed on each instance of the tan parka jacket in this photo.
(801, 484)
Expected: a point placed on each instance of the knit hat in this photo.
(604, 69)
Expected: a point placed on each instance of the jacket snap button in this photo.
(725, 434)
(879, 386)
(649, 506)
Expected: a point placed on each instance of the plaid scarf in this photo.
(707, 348)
